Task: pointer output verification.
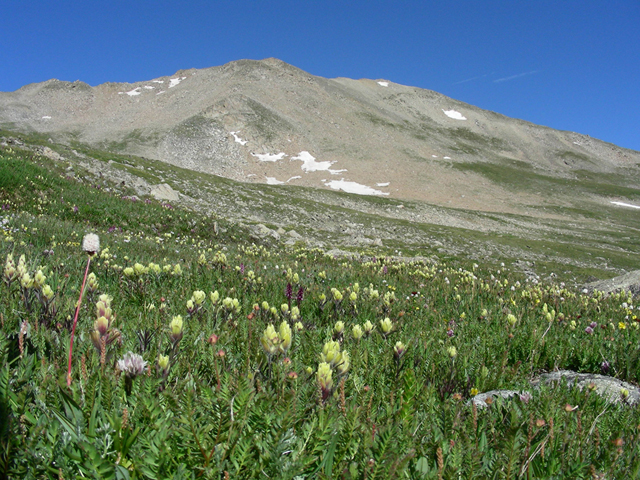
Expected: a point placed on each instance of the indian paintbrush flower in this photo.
(26, 281)
(163, 365)
(368, 327)
(92, 282)
(285, 337)
(198, 297)
(343, 365)
(270, 340)
(39, 279)
(324, 379)
(176, 329)
(10, 272)
(386, 326)
(214, 297)
(399, 350)
(231, 305)
(331, 352)
(337, 295)
(47, 292)
(191, 308)
(357, 332)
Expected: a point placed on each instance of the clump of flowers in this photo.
(231, 306)
(10, 271)
(276, 342)
(196, 302)
(332, 360)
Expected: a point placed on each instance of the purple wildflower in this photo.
(589, 330)
(605, 366)
(300, 296)
(525, 397)
(593, 324)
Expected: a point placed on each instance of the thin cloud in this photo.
(473, 78)
(512, 77)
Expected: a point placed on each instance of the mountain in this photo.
(269, 122)
(269, 145)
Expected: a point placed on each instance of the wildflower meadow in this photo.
(143, 340)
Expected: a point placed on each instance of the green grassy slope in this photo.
(366, 372)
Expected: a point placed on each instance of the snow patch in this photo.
(175, 81)
(353, 187)
(454, 114)
(132, 93)
(269, 157)
(149, 87)
(238, 139)
(434, 156)
(309, 164)
(294, 178)
(273, 181)
(385, 184)
(157, 81)
(46, 117)
(447, 158)
(621, 204)
(161, 91)
(383, 84)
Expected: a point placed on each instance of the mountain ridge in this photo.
(368, 135)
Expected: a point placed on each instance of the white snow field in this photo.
(454, 114)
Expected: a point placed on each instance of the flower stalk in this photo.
(91, 245)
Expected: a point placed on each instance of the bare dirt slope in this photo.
(269, 122)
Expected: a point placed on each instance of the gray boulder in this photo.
(629, 282)
(611, 388)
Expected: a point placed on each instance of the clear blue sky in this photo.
(570, 65)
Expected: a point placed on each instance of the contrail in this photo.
(506, 79)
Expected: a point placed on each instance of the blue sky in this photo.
(570, 65)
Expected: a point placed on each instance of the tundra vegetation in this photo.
(203, 352)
